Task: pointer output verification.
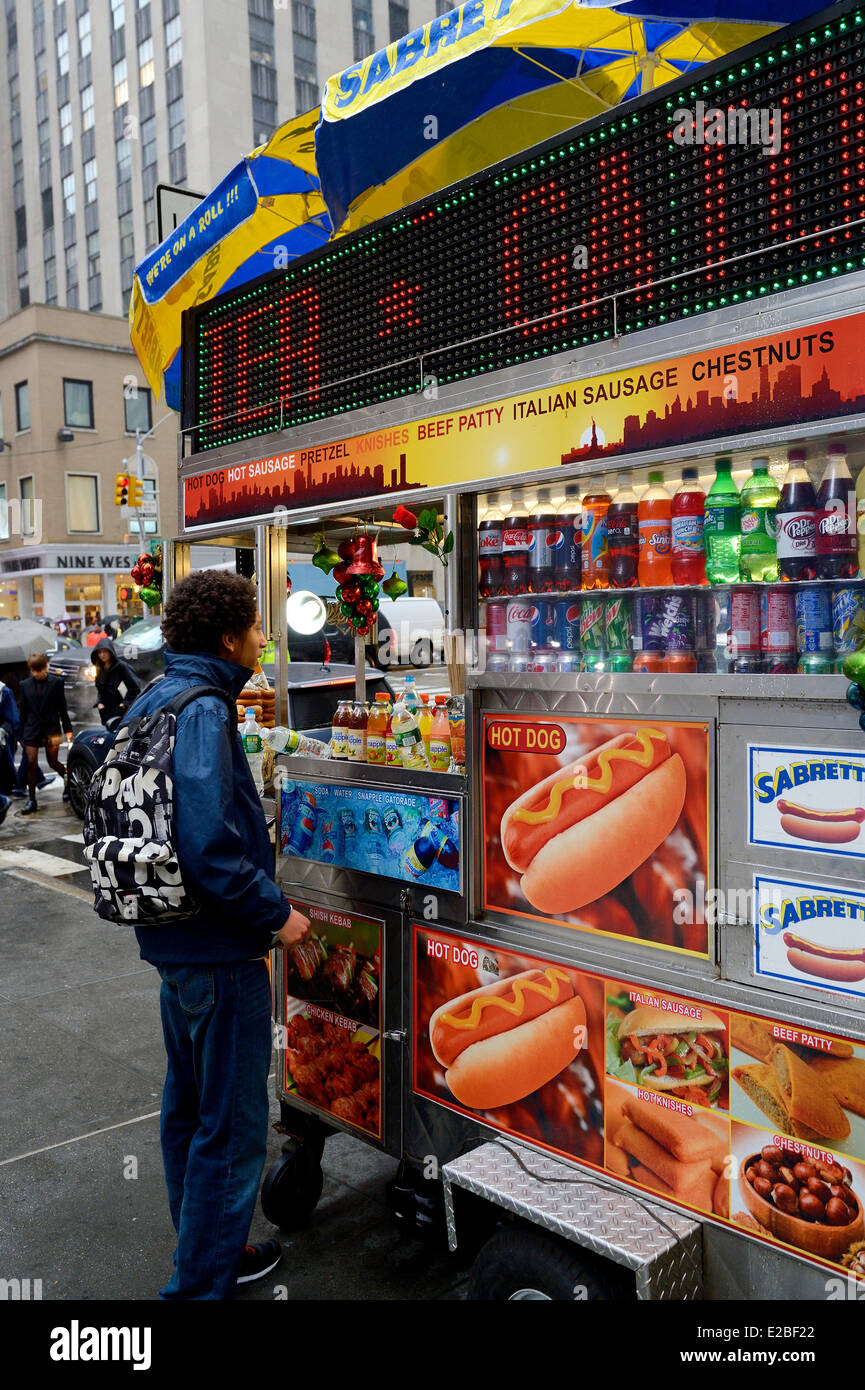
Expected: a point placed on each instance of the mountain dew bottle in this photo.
(722, 526)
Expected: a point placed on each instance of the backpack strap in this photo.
(186, 697)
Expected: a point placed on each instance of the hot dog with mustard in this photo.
(503, 1041)
(584, 829)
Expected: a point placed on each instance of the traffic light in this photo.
(121, 489)
(136, 492)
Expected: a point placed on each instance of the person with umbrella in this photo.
(44, 721)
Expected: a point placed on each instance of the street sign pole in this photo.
(139, 469)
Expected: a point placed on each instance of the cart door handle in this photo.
(395, 1035)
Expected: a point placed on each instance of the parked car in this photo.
(74, 663)
(410, 632)
(313, 695)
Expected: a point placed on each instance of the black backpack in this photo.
(128, 821)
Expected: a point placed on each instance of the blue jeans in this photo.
(217, 1030)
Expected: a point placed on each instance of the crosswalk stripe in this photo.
(49, 864)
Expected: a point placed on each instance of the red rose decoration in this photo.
(403, 517)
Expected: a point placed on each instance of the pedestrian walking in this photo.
(117, 686)
(44, 722)
(9, 722)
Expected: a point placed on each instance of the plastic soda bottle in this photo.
(492, 574)
(622, 535)
(758, 550)
(595, 546)
(544, 538)
(408, 737)
(252, 747)
(376, 730)
(568, 555)
(424, 720)
(796, 520)
(688, 557)
(836, 518)
(440, 737)
(654, 518)
(721, 528)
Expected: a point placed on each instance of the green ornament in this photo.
(324, 558)
(151, 595)
(394, 587)
(854, 667)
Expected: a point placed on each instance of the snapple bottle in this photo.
(376, 730)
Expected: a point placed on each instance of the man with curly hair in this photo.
(215, 995)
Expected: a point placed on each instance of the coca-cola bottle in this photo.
(622, 535)
(492, 573)
(796, 521)
(515, 554)
(543, 539)
(836, 519)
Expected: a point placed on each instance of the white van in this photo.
(410, 632)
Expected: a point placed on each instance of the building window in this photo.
(443, 7)
(27, 496)
(145, 63)
(21, 231)
(124, 160)
(173, 43)
(47, 208)
(78, 404)
(44, 135)
(51, 281)
(69, 195)
(137, 410)
(398, 20)
(176, 125)
(118, 14)
(306, 94)
(4, 514)
(90, 173)
(93, 260)
(150, 224)
(121, 83)
(147, 131)
(87, 108)
(65, 125)
(361, 19)
(82, 503)
(62, 54)
(303, 19)
(41, 72)
(127, 238)
(22, 405)
(84, 34)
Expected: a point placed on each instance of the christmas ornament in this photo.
(394, 587)
(151, 596)
(427, 531)
(324, 558)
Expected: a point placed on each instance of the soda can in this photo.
(780, 663)
(747, 664)
(568, 624)
(497, 662)
(522, 615)
(846, 603)
(648, 662)
(705, 621)
(544, 661)
(648, 636)
(568, 661)
(518, 662)
(592, 626)
(595, 663)
(497, 627)
(680, 663)
(744, 637)
(815, 664)
(438, 808)
(777, 622)
(619, 624)
(813, 619)
(676, 622)
(621, 661)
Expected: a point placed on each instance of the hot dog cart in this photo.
(700, 1122)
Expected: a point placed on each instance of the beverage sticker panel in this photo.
(810, 799)
(331, 1034)
(748, 1122)
(398, 835)
(600, 825)
(810, 933)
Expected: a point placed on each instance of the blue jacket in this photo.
(9, 723)
(219, 826)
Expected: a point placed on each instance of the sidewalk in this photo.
(82, 1201)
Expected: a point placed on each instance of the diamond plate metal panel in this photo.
(662, 1247)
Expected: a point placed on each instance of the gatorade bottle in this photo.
(654, 518)
(688, 562)
(836, 519)
(408, 739)
(568, 556)
(251, 736)
(544, 537)
(424, 722)
(622, 535)
(440, 737)
(796, 520)
(758, 551)
(721, 529)
(595, 546)
(492, 574)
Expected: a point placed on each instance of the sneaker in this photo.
(48, 778)
(5, 803)
(258, 1260)
(29, 809)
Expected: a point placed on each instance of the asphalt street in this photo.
(82, 1200)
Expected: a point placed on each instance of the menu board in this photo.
(746, 1121)
(330, 1038)
(599, 824)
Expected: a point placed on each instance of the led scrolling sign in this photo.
(647, 205)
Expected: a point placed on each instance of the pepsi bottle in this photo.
(544, 537)
(568, 555)
(303, 830)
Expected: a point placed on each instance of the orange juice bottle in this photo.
(376, 730)
(440, 737)
(424, 720)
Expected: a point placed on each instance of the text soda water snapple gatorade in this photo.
(654, 519)
(688, 547)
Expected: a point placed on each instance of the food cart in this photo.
(659, 1069)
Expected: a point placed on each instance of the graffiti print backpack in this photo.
(128, 821)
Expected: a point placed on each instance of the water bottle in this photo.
(252, 747)
(758, 551)
(407, 734)
(410, 695)
(721, 529)
(289, 741)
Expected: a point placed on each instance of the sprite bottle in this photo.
(721, 529)
(758, 550)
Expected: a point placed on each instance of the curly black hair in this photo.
(204, 606)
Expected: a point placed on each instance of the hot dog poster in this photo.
(599, 824)
(810, 933)
(807, 799)
(746, 1121)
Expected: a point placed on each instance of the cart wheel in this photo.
(521, 1265)
(292, 1187)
